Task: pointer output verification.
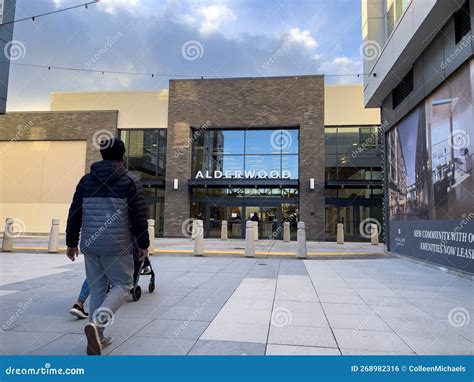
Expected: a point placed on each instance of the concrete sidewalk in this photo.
(180, 246)
(239, 306)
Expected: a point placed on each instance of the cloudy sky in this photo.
(179, 38)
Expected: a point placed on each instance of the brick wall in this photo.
(46, 126)
(245, 102)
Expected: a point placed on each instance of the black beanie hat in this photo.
(112, 149)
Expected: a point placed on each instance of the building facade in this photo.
(277, 149)
(423, 81)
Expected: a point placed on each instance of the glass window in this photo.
(263, 142)
(290, 166)
(331, 140)
(268, 164)
(246, 153)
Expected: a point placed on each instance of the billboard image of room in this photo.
(430, 187)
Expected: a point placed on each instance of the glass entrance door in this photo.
(267, 218)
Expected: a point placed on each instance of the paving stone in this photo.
(19, 343)
(204, 347)
(232, 331)
(370, 340)
(153, 346)
(299, 313)
(68, 344)
(340, 298)
(273, 349)
(299, 335)
(177, 329)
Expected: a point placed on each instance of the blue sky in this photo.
(223, 38)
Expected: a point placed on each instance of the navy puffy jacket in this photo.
(108, 211)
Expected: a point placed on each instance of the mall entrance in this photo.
(270, 215)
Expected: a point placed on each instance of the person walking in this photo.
(108, 213)
(77, 309)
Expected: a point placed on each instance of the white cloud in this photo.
(297, 36)
(208, 19)
(109, 6)
(342, 65)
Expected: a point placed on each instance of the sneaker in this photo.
(94, 346)
(79, 312)
(106, 341)
(146, 270)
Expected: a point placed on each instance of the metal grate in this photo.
(462, 22)
(403, 89)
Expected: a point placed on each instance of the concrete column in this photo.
(151, 235)
(301, 239)
(199, 238)
(249, 239)
(53, 243)
(340, 233)
(7, 243)
(374, 234)
(224, 230)
(286, 232)
(255, 230)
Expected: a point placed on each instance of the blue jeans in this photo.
(84, 291)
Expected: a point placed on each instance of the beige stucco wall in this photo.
(138, 110)
(344, 105)
(38, 179)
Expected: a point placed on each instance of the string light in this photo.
(33, 18)
(148, 74)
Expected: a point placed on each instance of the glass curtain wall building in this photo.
(353, 180)
(146, 158)
(242, 154)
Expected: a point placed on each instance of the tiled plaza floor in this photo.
(241, 306)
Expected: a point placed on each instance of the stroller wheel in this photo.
(151, 287)
(136, 293)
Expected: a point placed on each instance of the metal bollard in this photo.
(224, 230)
(340, 233)
(151, 235)
(249, 239)
(8, 234)
(301, 239)
(53, 243)
(198, 238)
(255, 230)
(286, 232)
(374, 234)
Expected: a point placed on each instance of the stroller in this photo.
(138, 270)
